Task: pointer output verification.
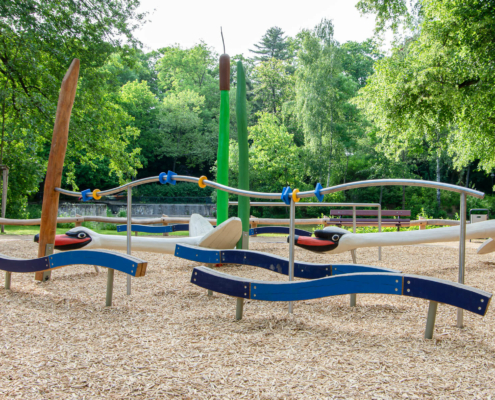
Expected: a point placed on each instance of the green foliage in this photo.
(273, 44)
(273, 157)
(183, 189)
(38, 41)
(273, 85)
(438, 86)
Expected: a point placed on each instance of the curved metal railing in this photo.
(261, 195)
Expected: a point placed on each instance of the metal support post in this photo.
(129, 233)
(292, 230)
(110, 273)
(430, 321)
(353, 254)
(8, 279)
(239, 307)
(245, 240)
(379, 230)
(462, 253)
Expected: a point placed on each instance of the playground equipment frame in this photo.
(294, 196)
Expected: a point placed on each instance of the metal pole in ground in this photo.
(292, 229)
(239, 308)
(129, 232)
(110, 273)
(462, 254)
(353, 253)
(379, 230)
(430, 321)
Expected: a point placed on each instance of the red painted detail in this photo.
(309, 241)
(64, 240)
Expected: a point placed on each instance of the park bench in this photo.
(397, 221)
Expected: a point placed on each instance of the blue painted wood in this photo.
(228, 284)
(324, 287)
(441, 291)
(271, 262)
(199, 254)
(154, 229)
(121, 262)
(277, 229)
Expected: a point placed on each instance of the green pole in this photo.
(242, 134)
(223, 140)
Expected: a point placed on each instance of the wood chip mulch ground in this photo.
(169, 340)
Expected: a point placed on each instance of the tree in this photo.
(273, 44)
(38, 40)
(179, 126)
(441, 80)
(322, 94)
(195, 69)
(273, 85)
(273, 156)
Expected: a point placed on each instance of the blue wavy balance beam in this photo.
(277, 229)
(271, 262)
(439, 290)
(121, 262)
(154, 229)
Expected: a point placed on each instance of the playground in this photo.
(229, 309)
(170, 339)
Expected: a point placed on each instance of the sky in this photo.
(244, 23)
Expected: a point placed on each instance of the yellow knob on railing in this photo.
(200, 182)
(294, 195)
(96, 196)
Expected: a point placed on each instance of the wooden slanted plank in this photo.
(131, 265)
(271, 262)
(56, 159)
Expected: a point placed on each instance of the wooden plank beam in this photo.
(56, 160)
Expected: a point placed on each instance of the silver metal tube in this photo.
(8, 279)
(430, 320)
(462, 254)
(261, 195)
(239, 307)
(292, 231)
(397, 182)
(301, 204)
(353, 253)
(379, 230)
(240, 192)
(129, 233)
(110, 273)
(353, 219)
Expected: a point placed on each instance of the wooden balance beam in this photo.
(271, 262)
(433, 289)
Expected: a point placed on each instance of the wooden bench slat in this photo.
(385, 213)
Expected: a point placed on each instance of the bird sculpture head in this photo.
(325, 240)
(76, 238)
